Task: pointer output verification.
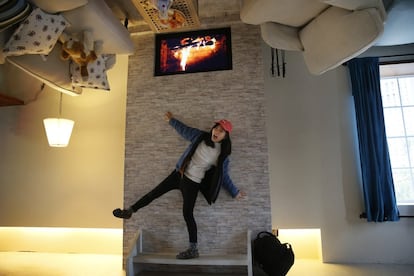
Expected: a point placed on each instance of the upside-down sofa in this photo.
(78, 16)
(327, 32)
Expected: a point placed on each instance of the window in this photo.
(397, 91)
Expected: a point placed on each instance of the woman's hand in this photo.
(167, 116)
(241, 195)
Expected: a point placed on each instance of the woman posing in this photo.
(202, 167)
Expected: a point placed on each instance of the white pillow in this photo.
(37, 34)
(97, 78)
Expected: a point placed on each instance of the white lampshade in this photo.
(58, 131)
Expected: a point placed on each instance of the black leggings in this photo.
(189, 190)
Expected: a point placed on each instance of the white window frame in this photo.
(394, 71)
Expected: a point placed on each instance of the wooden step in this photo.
(170, 259)
(170, 273)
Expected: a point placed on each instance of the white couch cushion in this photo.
(338, 35)
(281, 36)
(293, 13)
(354, 4)
(51, 70)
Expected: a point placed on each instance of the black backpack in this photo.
(272, 256)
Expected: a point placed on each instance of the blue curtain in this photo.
(378, 185)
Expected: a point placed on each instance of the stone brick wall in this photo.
(152, 147)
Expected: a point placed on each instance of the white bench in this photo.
(137, 257)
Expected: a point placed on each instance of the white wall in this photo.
(314, 168)
(77, 186)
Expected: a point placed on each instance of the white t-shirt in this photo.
(203, 158)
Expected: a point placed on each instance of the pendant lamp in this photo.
(58, 130)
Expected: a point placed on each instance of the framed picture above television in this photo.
(193, 51)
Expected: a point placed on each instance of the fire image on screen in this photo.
(193, 54)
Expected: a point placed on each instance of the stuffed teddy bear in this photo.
(81, 49)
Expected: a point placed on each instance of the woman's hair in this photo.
(225, 143)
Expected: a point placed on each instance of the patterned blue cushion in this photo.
(37, 34)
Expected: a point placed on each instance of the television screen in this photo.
(194, 51)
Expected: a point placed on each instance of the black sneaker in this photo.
(125, 214)
(190, 253)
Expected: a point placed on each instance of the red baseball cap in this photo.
(225, 124)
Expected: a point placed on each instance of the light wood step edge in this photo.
(170, 259)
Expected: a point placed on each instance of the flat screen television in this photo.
(193, 51)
